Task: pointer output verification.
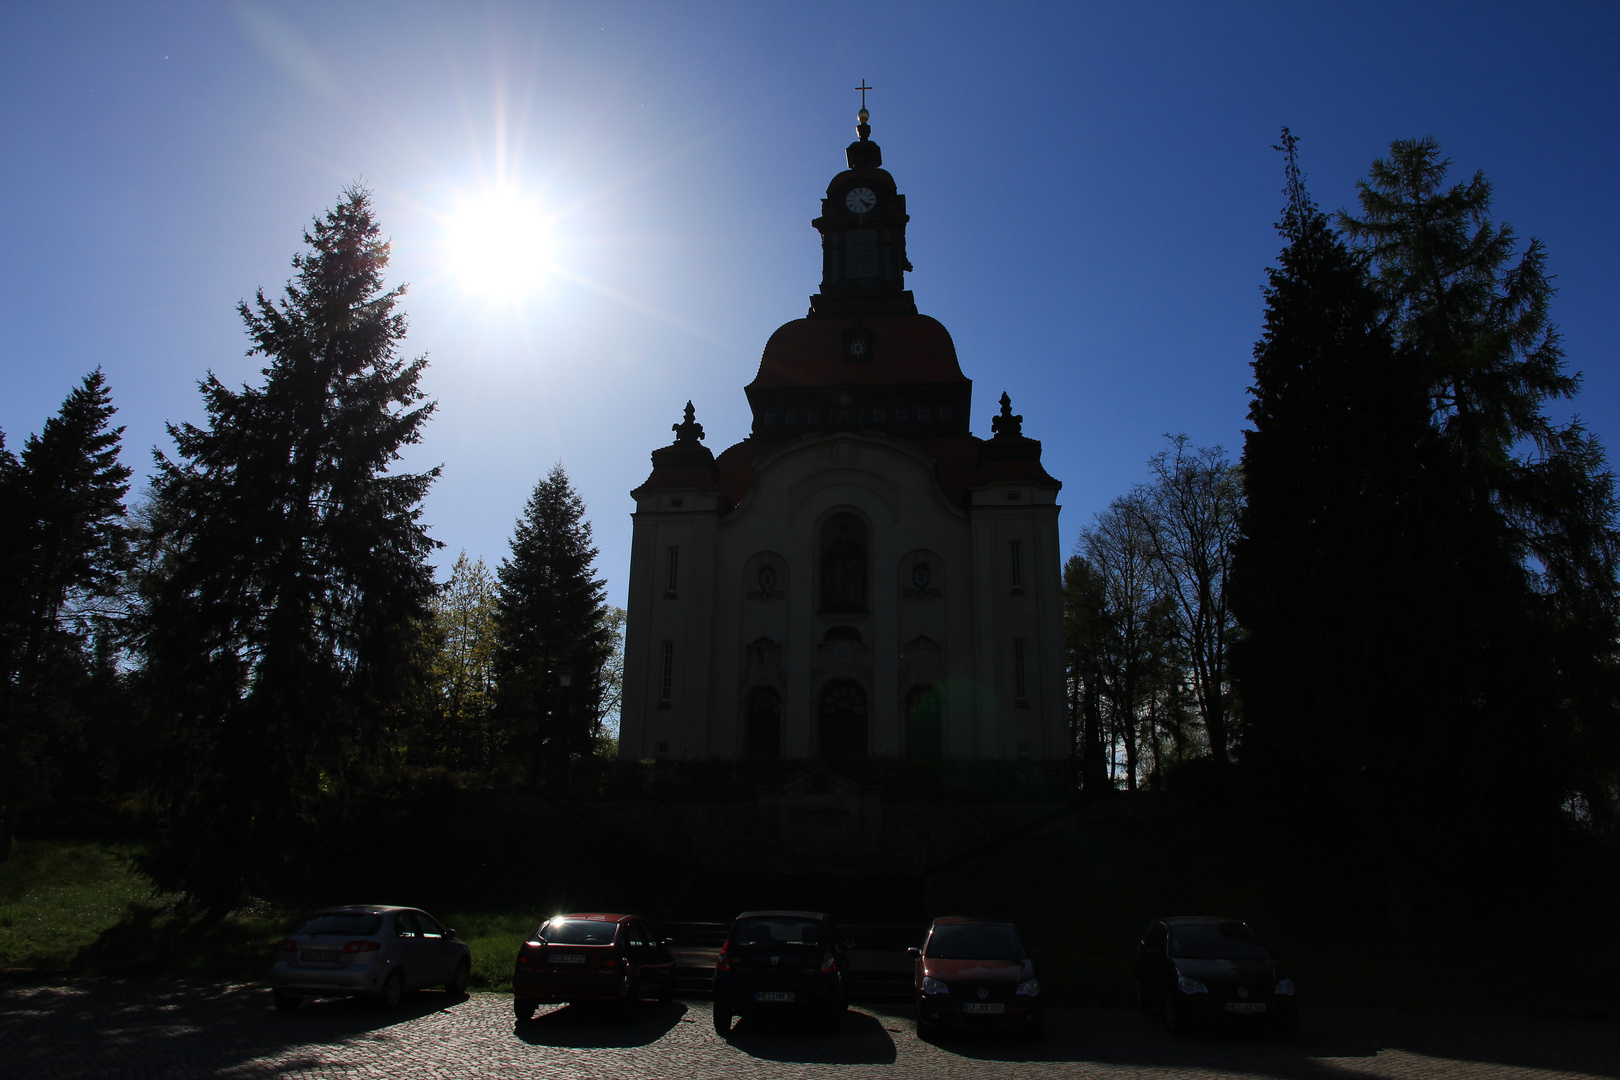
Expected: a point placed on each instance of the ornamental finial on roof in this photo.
(1007, 426)
(864, 128)
(689, 430)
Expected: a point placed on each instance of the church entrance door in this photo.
(843, 720)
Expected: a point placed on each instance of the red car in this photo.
(973, 973)
(591, 956)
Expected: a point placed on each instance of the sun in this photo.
(499, 244)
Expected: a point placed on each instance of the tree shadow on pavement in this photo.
(1332, 1045)
(585, 1026)
(860, 1040)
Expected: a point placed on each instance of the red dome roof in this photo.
(905, 349)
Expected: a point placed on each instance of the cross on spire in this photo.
(863, 88)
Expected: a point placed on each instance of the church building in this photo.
(861, 576)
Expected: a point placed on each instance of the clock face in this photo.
(860, 200)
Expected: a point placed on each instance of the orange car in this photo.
(591, 956)
(972, 973)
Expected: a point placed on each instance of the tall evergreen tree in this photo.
(554, 639)
(64, 552)
(282, 625)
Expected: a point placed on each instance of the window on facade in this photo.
(813, 417)
(924, 734)
(763, 723)
(922, 576)
(861, 253)
(793, 418)
(1020, 681)
(843, 720)
(672, 571)
(1015, 564)
(944, 412)
(770, 417)
(878, 415)
(900, 415)
(766, 580)
(922, 413)
(667, 682)
(843, 564)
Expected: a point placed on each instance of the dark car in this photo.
(781, 962)
(591, 957)
(368, 950)
(975, 973)
(1202, 970)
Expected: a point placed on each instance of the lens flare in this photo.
(499, 245)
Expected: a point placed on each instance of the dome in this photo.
(813, 352)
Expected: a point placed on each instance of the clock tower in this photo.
(863, 237)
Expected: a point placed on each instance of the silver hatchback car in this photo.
(374, 950)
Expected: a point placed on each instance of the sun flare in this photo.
(499, 244)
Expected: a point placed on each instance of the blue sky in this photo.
(1092, 191)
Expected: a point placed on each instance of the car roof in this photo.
(968, 920)
(594, 916)
(817, 915)
(362, 909)
(1197, 919)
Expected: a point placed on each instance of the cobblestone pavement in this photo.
(174, 1031)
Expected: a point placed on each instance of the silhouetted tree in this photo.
(553, 638)
(64, 550)
(1189, 512)
(461, 732)
(282, 627)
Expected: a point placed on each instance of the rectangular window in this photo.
(900, 415)
(770, 417)
(922, 412)
(668, 680)
(1020, 684)
(878, 414)
(813, 416)
(861, 253)
(793, 418)
(672, 577)
(944, 412)
(1016, 564)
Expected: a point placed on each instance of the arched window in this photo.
(843, 564)
(764, 724)
(843, 720)
(924, 738)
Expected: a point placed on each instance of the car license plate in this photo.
(318, 954)
(974, 1008)
(1245, 1006)
(775, 995)
(565, 958)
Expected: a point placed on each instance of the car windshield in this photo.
(350, 923)
(1215, 941)
(776, 930)
(577, 932)
(975, 941)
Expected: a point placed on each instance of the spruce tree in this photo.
(64, 552)
(282, 628)
(554, 638)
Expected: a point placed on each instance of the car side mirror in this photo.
(449, 933)
(914, 952)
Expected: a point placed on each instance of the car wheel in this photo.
(523, 1010)
(287, 1002)
(1174, 1022)
(393, 991)
(1144, 1000)
(458, 982)
(722, 1022)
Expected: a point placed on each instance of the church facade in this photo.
(861, 576)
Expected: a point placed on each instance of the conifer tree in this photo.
(554, 640)
(63, 551)
(282, 628)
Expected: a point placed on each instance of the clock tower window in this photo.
(861, 253)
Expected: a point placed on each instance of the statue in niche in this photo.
(843, 564)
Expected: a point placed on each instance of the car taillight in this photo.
(828, 963)
(610, 961)
(289, 945)
(723, 962)
(360, 946)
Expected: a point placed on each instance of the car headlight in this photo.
(1029, 987)
(1286, 986)
(1191, 986)
(932, 985)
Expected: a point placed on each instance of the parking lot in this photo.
(138, 1029)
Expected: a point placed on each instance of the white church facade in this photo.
(861, 576)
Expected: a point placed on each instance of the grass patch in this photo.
(57, 898)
